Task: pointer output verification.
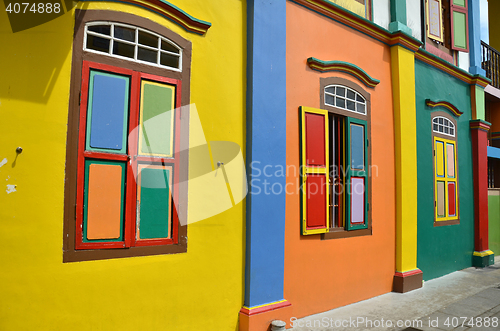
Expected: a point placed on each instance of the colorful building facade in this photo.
(115, 275)
(362, 134)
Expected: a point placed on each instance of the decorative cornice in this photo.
(438, 63)
(341, 15)
(494, 135)
(401, 39)
(349, 68)
(480, 81)
(479, 125)
(454, 110)
(263, 308)
(170, 12)
(361, 24)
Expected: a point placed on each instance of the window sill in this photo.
(105, 254)
(444, 223)
(341, 233)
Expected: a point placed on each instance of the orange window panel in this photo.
(104, 201)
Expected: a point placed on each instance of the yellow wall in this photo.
(494, 23)
(200, 289)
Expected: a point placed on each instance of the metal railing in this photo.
(490, 62)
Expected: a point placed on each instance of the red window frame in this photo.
(132, 158)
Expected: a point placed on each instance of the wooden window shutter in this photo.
(314, 170)
(356, 179)
(459, 25)
(434, 16)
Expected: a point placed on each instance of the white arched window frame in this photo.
(443, 125)
(132, 43)
(346, 98)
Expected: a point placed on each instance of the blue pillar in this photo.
(475, 39)
(266, 146)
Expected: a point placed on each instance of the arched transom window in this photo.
(132, 43)
(345, 98)
(442, 125)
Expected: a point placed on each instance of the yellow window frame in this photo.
(314, 170)
(428, 18)
(446, 179)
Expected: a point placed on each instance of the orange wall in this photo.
(494, 110)
(325, 274)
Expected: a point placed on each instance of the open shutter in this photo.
(314, 170)
(356, 179)
(434, 13)
(459, 25)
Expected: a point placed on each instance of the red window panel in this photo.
(452, 209)
(315, 139)
(316, 201)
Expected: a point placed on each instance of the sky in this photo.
(484, 21)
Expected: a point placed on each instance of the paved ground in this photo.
(464, 300)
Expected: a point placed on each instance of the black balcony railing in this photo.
(491, 63)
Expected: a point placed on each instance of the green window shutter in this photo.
(459, 25)
(314, 171)
(356, 179)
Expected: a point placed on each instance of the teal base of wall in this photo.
(483, 261)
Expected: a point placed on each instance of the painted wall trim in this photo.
(483, 253)
(495, 135)
(349, 68)
(361, 24)
(445, 104)
(440, 64)
(264, 308)
(408, 273)
(170, 12)
(480, 125)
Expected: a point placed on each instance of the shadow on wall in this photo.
(32, 60)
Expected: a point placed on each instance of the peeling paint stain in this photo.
(11, 189)
(3, 162)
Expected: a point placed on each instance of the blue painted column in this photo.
(475, 39)
(266, 146)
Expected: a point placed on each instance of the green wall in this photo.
(443, 249)
(494, 222)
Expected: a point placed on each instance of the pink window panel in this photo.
(357, 200)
